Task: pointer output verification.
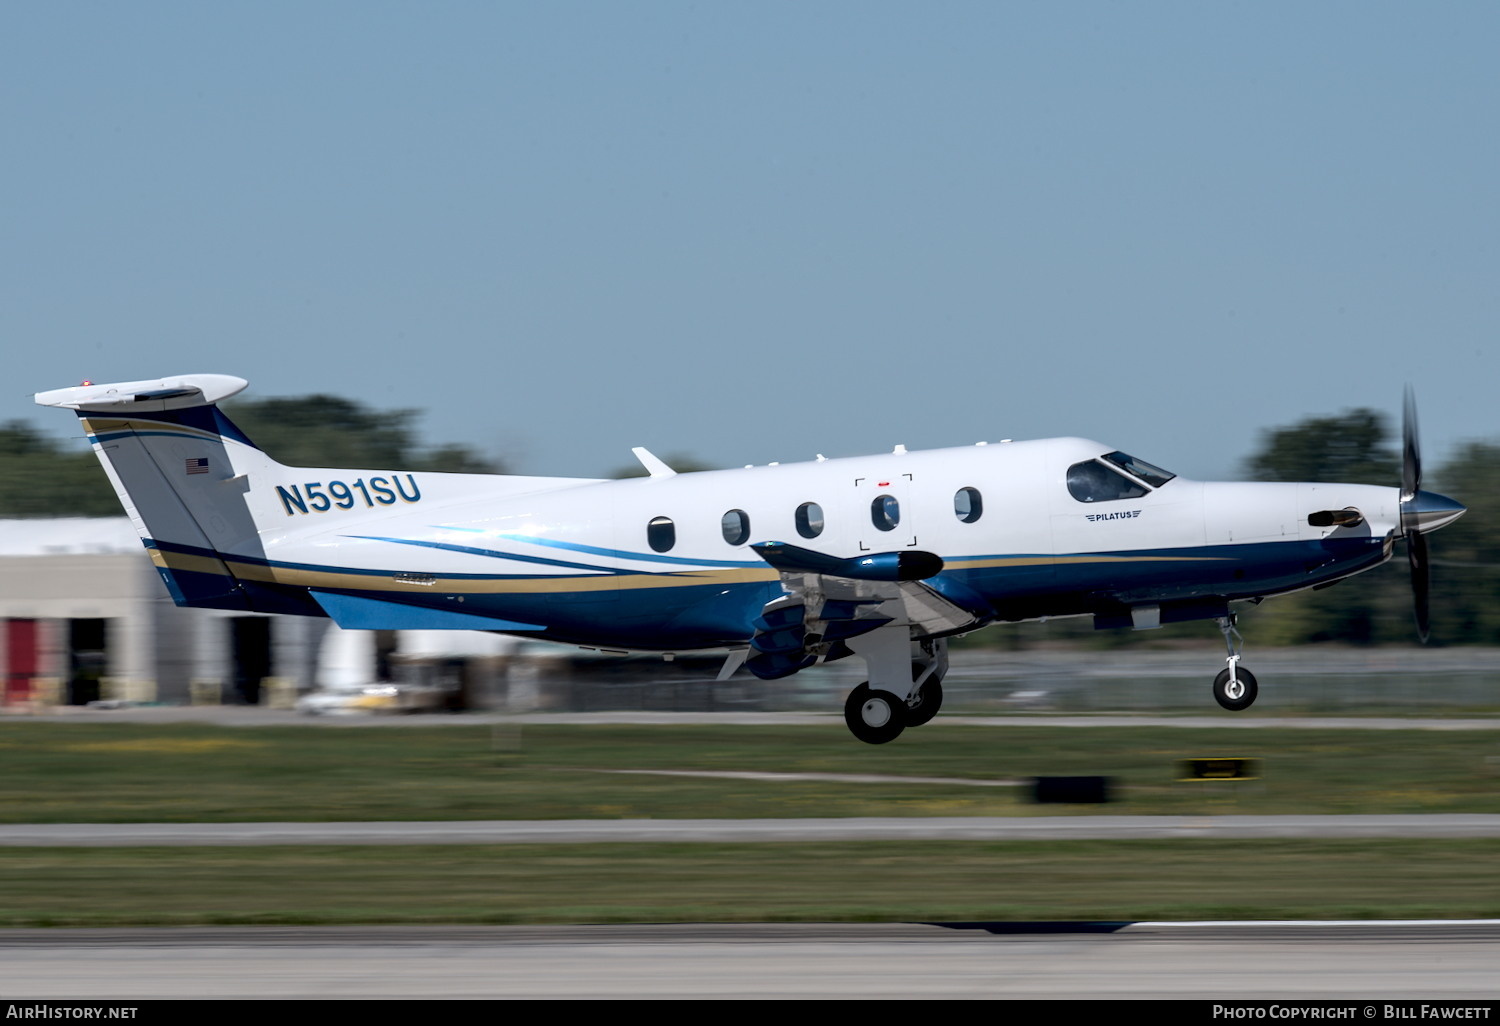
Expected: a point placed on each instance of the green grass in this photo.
(917, 881)
(197, 773)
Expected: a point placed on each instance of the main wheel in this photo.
(928, 700)
(874, 717)
(1237, 694)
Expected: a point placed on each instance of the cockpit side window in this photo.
(1152, 475)
(1092, 481)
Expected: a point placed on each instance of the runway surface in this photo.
(1366, 964)
(557, 831)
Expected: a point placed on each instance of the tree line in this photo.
(41, 476)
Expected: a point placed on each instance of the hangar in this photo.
(85, 618)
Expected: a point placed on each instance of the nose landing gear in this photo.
(1235, 687)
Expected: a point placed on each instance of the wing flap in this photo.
(820, 613)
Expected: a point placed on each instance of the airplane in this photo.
(787, 566)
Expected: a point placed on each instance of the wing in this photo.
(831, 600)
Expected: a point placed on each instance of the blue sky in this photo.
(760, 231)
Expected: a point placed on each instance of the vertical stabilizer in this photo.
(180, 468)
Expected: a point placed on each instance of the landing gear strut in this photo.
(1235, 687)
(927, 670)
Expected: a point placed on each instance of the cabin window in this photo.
(968, 506)
(885, 512)
(661, 534)
(809, 520)
(736, 526)
(1152, 475)
(1092, 481)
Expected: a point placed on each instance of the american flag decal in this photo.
(197, 466)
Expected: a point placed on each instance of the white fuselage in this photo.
(553, 551)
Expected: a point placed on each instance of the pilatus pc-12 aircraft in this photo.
(879, 557)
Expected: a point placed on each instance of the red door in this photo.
(21, 660)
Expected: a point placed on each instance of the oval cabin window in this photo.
(968, 506)
(736, 526)
(885, 512)
(661, 534)
(809, 520)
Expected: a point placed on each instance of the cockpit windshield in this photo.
(1100, 481)
(1152, 475)
(1092, 481)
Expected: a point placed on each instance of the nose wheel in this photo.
(1235, 687)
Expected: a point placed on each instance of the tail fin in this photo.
(180, 468)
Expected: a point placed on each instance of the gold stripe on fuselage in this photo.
(720, 576)
(310, 578)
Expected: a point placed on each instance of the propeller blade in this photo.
(1421, 581)
(1420, 512)
(1411, 528)
(1411, 453)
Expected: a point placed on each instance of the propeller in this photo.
(1421, 513)
(1411, 530)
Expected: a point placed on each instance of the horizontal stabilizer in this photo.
(359, 613)
(907, 565)
(151, 396)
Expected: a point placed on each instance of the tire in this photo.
(1248, 689)
(874, 717)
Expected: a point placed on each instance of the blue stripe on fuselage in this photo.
(692, 615)
(594, 550)
(496, 554)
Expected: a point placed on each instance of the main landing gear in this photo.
(1235, 687)
(876, 715)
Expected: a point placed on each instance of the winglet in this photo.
(654, 466)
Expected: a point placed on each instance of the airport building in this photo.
(84, 618)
